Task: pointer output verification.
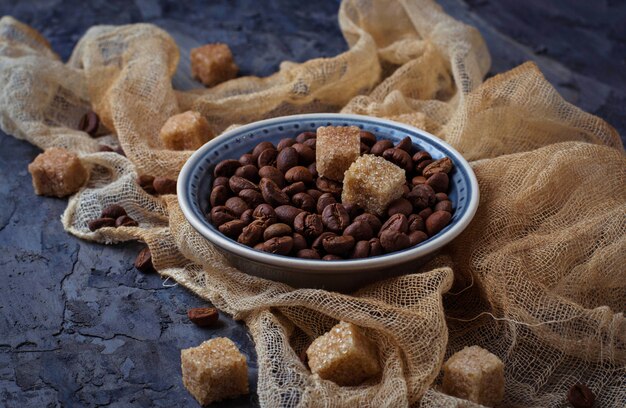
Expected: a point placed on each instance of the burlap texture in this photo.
(538, 277)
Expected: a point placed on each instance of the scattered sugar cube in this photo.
(474, 374)
(337, 147)
(343, 355)
(214, 370)
(186, 131)
(57, 172)
(212, 64)
(372, 183)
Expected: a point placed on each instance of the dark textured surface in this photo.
(78, 325)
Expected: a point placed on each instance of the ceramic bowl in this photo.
(196, 177)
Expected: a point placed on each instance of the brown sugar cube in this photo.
(186, 131)
(337, 147)
(474, 374)
(372, 183)
(343, 355)
(212, 64)
(214, 370)
(57, 172)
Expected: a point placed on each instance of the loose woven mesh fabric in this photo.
(538, 278)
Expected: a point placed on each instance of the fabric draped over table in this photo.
(538, 278)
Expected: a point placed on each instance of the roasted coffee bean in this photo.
(360, 230)
(352, 209)
(338, 245)
(276, 230)
(294, 188)
(221, 215)
(236, 205)
(312, 143)
(221, 181)
(265, 213)
(164, 185)
(364, 149)
(145, 182)
(279, 245)
(252, 197)
(249, 172)
(247, 159)
(304, 136)
(267, 158)
(308, 254)
(379, 147)
(331, 257)
(405, 144)
(437, 221)
(113, 211)
(372, 220)
(252, 233)
(89, 123)
(405, 190)
(226, 168)
(316, 194)
(361, 250)
(335, 217)
(581, 396)
(418, 180)
(416, 237)
(396, 222)
(232, 228)
(317, 242)
(272, 194)
(375, 247)
(273, 174)
(298, 173)
(286, 159)
(421, 156)
(325, 200)
(219, 195)
(125, 221)
(304, 201)
(329, 186)
(400, 206)
(258, 149)
(299, 242)
(143, 262)
(439, 182)
(445, 205)
(392, 240)
(441, 196)
(286, 142)
(419, 167)
(425, 213)
(237, 184)
(306, 155)
(247, 216)
(368, 138)
(443, 165)
(259, 247)
(313, 170)
(421, 196)
(287, 213)
(416, 223)
(100, 223)
(399, 157)
(203, 316)
(309, 225)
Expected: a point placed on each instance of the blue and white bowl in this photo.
(194, 187)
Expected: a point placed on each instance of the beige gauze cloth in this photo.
(538, 278)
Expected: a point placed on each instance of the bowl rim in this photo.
(320, 266)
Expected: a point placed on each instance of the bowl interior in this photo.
(242, 140)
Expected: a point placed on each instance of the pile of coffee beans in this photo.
(273, 200)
